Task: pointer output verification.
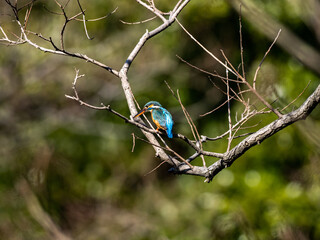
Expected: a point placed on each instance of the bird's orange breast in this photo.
(157, 123)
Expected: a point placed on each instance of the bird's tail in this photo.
(169, 124)
(169, 133)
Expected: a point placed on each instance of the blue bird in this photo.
(160, 116)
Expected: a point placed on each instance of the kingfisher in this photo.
(160, 116)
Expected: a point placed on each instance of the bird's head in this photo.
(148, 107)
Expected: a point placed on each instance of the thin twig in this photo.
(206, 72)
(27, 15)
(206, 50)
(193, 127)
(265, 55)
(152, 9)
(155, 168)
(215, 109)
(25, 39)
(84, 20)
(275, 111)
(26, 5)
(140, 22)
(232, 70)
(167, 148)
(296, 97)
(133, 142)
(229, 112)
(241, 44)
(240, 122)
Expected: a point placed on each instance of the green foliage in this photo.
(79, 163)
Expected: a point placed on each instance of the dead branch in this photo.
(180, 164)
(257, 138)
(265, 55)
(56, 50)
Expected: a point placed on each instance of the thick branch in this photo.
(127, 88)
(256, 138)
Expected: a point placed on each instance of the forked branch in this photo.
(180, 164)
(258, 137)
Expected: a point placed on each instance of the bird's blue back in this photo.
(164, 118)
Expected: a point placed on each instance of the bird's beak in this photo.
(141, 112)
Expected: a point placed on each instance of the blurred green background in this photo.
(68, 169)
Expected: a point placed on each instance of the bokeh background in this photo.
(66, 170)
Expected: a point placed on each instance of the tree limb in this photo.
(256, 138)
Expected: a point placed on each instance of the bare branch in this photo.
(154, 169)
(167, 148)
(180, 164)
(234, 71)
(254, 90)
(84, 20)
(152, 8)
(256, 138)
(229, 113)
(265, 55)
(151, 34)
(24, 39)
(296, 97)
(206, 50)
(140, 22)
(193, 127)
(133, 142)
(215, 109)
(241, 44)
(206, 72)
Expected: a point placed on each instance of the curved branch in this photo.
(148, 35)
(127, 88)
(256, 138)
(225, 159)
(301, 113)
(59, 51)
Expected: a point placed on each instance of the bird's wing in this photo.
(169, 124)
